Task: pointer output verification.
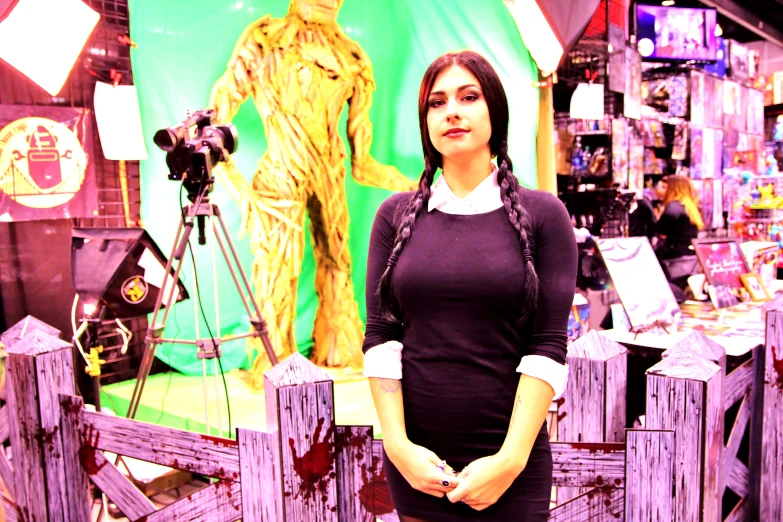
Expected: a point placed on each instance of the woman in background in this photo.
(679, 223)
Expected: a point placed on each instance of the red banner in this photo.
(46, 163)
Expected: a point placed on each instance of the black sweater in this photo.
(459, 285)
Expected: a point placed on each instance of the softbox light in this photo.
(551, 28)
(43, 38)
(118, 272)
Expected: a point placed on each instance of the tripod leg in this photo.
(248, 299)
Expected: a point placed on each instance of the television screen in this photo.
(676, 33)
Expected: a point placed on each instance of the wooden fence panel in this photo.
(219, 502)
(649, 476)
(54, 375)
(588, 465)
(383, 505)
(76, 481)
(8, 509)
(132, 502)
(259, 475)
(771, 499)
(29, 482)
(738, 384)
(4, 426)
(604, 504)
(204, 454)
(6, 472)
(354, 473)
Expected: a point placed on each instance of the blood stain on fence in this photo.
(374, 495)
(316, 466)
(89, 462)
(777, 364)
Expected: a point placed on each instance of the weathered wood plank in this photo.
(383, 505)
(54, 373)
(616, 389)
(261, 496)
(117, 487)
(713, 449)
(9, 509)
(741, 512)
(308, 452)
(354, 473)
(4, 426)
(582, 413)
(649, 475)
(605, 504)
(204, 454)
(674, 404)
(737, 477)
(735, 438)
(25, 426)
(219, 502)
(588, 465)
(6, 472)
(756, 445)
(771, 501)
(738, 384)
(76, 481)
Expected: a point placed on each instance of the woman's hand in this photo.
(420, 468)
(483, 481)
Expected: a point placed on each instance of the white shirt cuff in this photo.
(544, 368)
(384, 361)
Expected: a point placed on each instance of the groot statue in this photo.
(300, 71)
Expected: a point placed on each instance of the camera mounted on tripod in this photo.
(193, 147)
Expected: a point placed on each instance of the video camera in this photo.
(193, 147)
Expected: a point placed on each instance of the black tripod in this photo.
(208, 348)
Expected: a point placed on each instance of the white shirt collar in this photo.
(484, 198)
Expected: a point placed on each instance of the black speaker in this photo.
(118, 272)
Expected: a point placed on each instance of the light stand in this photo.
(201, 212)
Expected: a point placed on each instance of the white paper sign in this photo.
(119, 122)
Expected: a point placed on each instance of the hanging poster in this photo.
(633, 94)
(635, 161)
(697, 98)
(708, 153)
(717, 203)
(46, 163)
(755, 105)
(707, 203)
(616, 59)
(717, 102)
(620, 152)
(697, 153)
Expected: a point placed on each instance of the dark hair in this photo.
(497, 103)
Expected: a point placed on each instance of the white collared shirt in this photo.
(385, 360)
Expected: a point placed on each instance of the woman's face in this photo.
(457, 114)
(660, 189)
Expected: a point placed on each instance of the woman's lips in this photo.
(456, 133)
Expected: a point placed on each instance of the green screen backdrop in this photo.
(183, 48)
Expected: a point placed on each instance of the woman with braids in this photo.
(470, 280)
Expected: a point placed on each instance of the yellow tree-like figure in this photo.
(300, 71)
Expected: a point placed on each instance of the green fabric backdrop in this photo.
(183, 47)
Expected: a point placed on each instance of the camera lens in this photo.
(168, 138)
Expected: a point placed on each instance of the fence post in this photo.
(771, 500)
(649, 475)
(592, 408)
(685, 394)
(300, 414)
(39, 368)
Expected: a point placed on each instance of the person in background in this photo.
(680, 220)
(679, 223)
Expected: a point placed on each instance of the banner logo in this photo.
(42, 163)
(134, 289)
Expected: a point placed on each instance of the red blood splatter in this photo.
(220, 441)
(314, 465)
(777, 365)
(375, 497)
(595, 447)
(562, 416)
(89, 460)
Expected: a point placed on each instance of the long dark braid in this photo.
(411, 212)
(520, 220)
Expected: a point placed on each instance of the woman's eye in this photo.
(471, 97)
(436, 103)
